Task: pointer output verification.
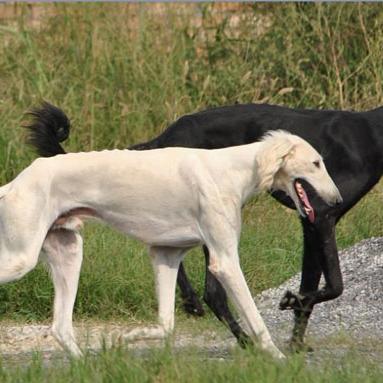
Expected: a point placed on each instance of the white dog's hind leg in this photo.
(63, 253)
(165, 262)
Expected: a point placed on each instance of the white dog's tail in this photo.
(48, 127)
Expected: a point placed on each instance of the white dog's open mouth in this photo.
(304, 201)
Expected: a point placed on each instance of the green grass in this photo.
(118, 365)
(123, 74)
(122, 82)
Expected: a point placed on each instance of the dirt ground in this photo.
(19, 343)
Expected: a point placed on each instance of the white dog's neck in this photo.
(250, 169)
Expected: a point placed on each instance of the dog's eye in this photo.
(317, 164)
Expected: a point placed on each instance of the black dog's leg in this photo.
(215, 297)
(320, 255)
(329, 261)
(191, 302)
(311, 273)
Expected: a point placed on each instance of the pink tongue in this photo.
(311, 216)
(305, 200)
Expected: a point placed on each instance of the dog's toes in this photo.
(298, 347)
(194, 308)
(288, 300)
(245, 341)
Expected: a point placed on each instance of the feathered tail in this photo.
(48, 127)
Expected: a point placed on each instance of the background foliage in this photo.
(124, 72)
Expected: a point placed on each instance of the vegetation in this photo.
(118, 365)
(122, 76)
(123, 73)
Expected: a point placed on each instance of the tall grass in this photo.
(122, 73)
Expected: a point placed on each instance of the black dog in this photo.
(351, 144)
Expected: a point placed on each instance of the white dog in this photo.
(171, 199)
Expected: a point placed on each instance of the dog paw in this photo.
(289, 301)
(299, 346)
(194, 307)
(245, 341)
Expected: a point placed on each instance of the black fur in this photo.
(48, 127)
(351, 144)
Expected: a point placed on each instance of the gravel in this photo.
(357, 312)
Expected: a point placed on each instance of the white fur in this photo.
(171, 199)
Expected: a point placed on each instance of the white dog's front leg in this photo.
(63, 251)
(227, 270)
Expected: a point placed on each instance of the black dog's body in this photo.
(351, 144)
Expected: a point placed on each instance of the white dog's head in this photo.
(292, 162)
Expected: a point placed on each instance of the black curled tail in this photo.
(48, 127)
(153, 144)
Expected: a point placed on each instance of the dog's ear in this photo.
(271, 162)
(289, 152)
